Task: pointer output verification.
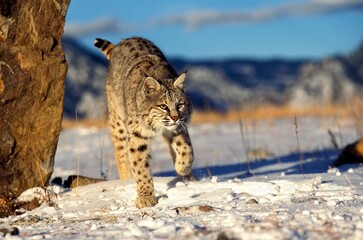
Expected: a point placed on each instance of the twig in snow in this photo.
(333, 139)
(298, 145)
(345, 175)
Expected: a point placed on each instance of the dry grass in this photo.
(266, 112)
(270, 112)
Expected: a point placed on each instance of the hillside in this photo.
(85, 81)
(221, 85)
(332, 80)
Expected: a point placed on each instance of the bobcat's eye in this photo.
(181, 106)
(163, 107)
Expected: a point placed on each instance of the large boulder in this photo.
(32, 73)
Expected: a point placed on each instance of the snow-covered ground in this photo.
(275, 197)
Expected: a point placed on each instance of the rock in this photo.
(32, 73)
(352, 153)
(7, 208)
(75, 181)
(11, 231)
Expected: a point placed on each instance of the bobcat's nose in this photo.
(175, 118)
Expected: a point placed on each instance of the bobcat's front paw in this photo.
(146, 201)
(182, 169)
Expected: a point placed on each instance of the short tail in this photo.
(105, 46)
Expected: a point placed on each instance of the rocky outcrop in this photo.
(32, 73)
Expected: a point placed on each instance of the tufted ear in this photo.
(180, 81)
(151, 85)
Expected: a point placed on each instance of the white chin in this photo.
(171, 127)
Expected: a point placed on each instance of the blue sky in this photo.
(200, 29)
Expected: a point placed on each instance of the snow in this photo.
(233, 198)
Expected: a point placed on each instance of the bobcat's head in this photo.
(170, 105)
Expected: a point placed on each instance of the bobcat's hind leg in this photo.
(119, 134)
(119, 139)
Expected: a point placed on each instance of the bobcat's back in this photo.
(131, 61)
(136, 58)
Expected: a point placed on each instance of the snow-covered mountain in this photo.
(85, 81)
(223, 84)
(331, 80)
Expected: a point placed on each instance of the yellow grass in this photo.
(270, 113)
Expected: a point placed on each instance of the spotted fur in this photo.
(145, 97)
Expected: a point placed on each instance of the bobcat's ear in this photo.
(151, 85)
(180, 81)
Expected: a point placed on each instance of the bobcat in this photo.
(145, 96)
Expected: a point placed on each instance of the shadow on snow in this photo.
(317, 161)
